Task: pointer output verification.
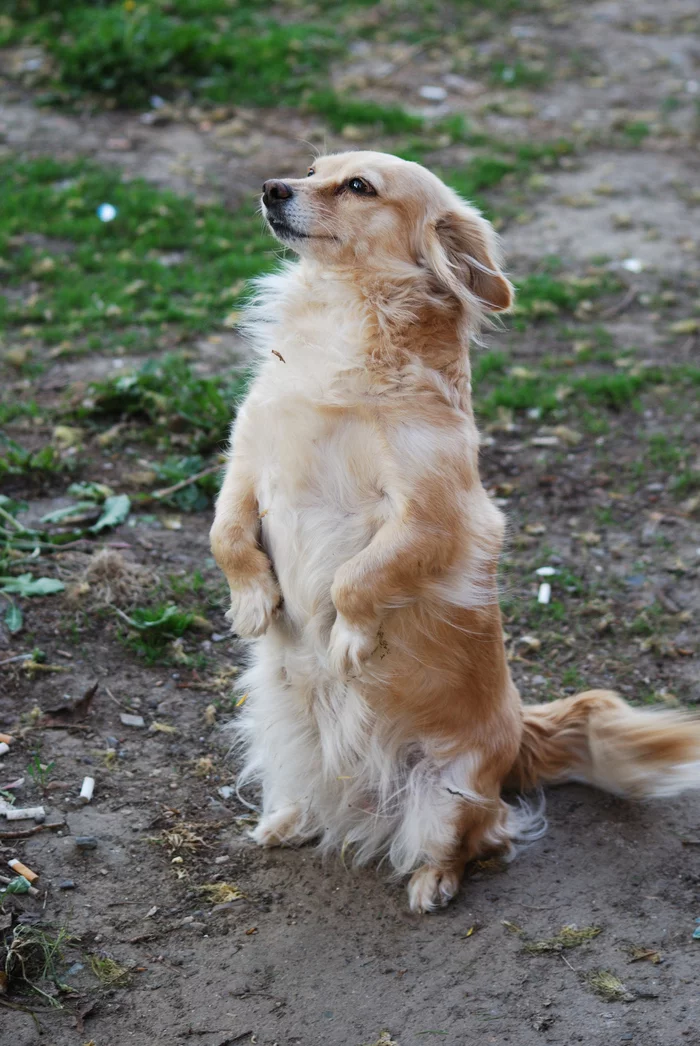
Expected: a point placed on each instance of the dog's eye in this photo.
(310, 172)
(361, 187)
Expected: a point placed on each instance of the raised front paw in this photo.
(253, 606)
(349, 647)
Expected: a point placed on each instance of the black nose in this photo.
(274, 190)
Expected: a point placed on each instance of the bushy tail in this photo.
(598, 739)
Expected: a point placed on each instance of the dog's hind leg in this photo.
(281, 748)
(460, 816)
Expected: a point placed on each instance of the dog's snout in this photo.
(275, 190)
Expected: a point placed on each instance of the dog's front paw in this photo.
(253, 606)
(349, 647)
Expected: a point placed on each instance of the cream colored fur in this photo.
(361, 548)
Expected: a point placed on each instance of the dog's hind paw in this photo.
(431, 888)
(284, 827)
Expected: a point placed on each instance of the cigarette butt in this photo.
(87, 789)
(21, 869)
(37, 813)
(4, 747)
(6, 739)
(545, 593)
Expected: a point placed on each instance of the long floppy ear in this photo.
(461, 249)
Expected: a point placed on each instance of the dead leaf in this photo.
(638, 954)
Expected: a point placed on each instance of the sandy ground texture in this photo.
(298, 951)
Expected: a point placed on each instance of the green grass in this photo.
(519, 74)
(636, 132)
(339, 112)
(233, 53)
(162, 261)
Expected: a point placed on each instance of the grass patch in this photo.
(519, 74)
(163, 262)
(223, 52)
(545, 295)
(339, 112)
(32, 956)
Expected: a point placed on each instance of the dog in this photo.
(361, 550)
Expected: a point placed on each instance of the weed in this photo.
(167, 395)
(608, 986)
(32, 956)
(15, 460)
(151, 629)
(221, 893)
(181, 839)
(40, 772)
(197, 495)
(568, 937)
(572, 677)
(636, 131)
(686, 482)
(109, 972)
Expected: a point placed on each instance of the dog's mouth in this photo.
(284, 231)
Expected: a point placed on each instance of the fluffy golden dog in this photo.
(361, 549)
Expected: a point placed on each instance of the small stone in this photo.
(433, 93)
(67, 884)
(226, 791)
(86, 842)
(132, 720)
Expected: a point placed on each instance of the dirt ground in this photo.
(315, 953)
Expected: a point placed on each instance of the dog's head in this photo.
(377, 213)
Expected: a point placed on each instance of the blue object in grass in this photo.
(106, 212)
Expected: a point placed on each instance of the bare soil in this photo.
(315, 953)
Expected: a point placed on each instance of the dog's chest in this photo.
(320, 492)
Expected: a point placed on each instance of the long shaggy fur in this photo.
(361, 550)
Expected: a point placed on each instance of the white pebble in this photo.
(545, 593)
(546, 571)
(4, 748)
(433, 93)
(132, 720)
(632, 265)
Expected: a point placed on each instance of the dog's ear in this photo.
(461, 250)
